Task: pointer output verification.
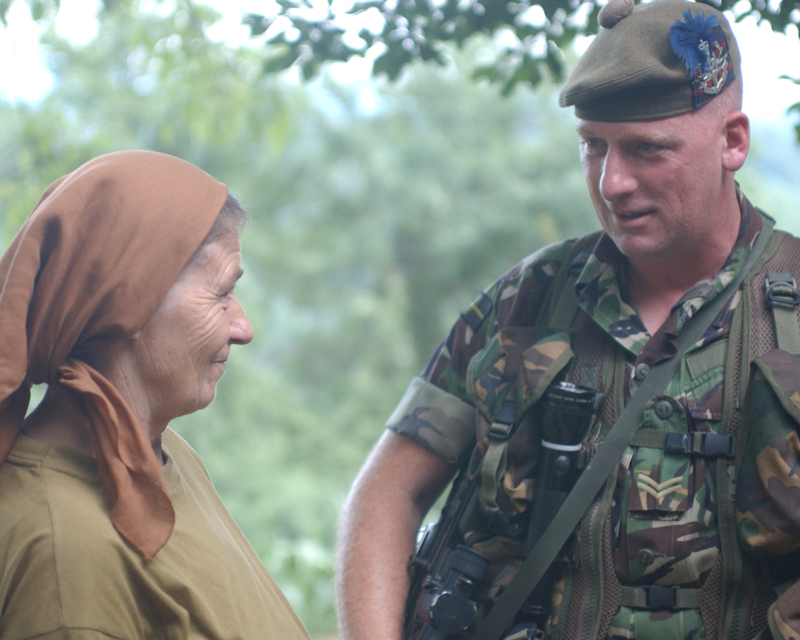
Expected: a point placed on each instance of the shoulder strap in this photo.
(782, 297)
(560, 304)
(740, 580)
(607, 456)
(557, 311)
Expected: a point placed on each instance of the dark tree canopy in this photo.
(397, 32)
(530, 37)
(534, 34)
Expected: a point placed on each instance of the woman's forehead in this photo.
(216, 260)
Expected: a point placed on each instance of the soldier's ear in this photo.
(736, 141)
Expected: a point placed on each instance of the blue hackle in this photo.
(685, 36)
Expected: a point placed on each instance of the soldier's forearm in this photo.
(377, 532)
(371, 579)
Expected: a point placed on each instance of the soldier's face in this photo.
(656, 184)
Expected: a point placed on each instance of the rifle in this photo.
(444, 572)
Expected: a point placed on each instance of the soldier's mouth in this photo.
(631, 215)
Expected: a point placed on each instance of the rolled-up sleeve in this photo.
(435, 419)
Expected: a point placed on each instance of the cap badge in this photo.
(700, 43)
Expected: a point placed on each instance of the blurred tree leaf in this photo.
(38, 8)
(419, 29)
(795, 107)
(533, 34)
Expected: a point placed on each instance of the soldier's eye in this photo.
(592, 145)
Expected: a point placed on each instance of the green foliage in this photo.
(39, 8)
(422, 29)
(795, 107)
(534, 34)
(305, 570)
(380, 210)
(773, 164)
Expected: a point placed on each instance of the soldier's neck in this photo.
(655, 289)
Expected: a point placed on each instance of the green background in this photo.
(380, 210)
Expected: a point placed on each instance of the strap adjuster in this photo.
(716, 445)
(678, 443)
(698, 443)
(780, 288)
(503, 424)
(659, 597)
(655, 597)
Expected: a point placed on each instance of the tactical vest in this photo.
(510, 375)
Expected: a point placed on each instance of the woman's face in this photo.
(180, 354)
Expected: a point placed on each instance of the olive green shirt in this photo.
(65, 572)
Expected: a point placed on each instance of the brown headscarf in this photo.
(89, 267)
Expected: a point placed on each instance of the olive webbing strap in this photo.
(599, 468)
(559, 315)
(782, 298)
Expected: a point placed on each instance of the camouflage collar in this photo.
(601, 290)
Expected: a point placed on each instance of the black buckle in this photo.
(787, 289)
(659, 597)
(504, 418)
(713, 444)
(716, 445)
(678, 443)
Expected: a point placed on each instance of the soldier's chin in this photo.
(646, 250)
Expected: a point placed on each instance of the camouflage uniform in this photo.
(657, 520)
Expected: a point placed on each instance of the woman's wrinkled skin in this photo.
(171, 366)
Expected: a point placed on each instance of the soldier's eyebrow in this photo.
(584, 128)
(662, 139)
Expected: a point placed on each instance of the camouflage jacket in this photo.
(656, 521)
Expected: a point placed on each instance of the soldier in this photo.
(712, 525)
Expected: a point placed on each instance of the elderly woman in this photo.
(118, 292)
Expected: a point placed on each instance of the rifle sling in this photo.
(598, 470)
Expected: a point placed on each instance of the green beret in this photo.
(652, 61)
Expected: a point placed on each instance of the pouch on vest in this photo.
(504, 381)
(671, 482)
(768, 484)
